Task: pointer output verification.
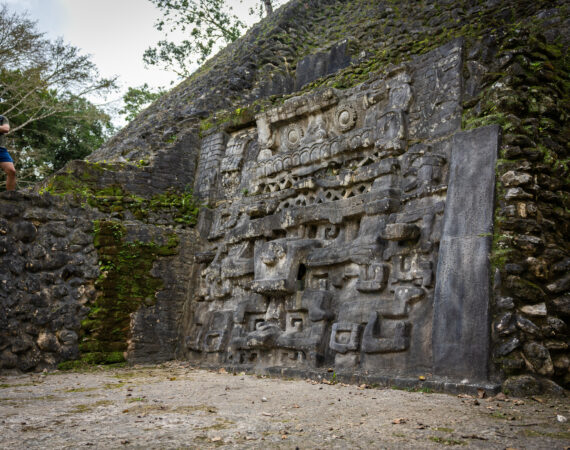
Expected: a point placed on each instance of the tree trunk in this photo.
(268, 7)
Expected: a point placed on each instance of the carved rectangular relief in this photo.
(328, 225)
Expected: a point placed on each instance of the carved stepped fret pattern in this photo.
(325, 235)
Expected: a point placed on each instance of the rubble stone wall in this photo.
(79, 285)
(48, 266)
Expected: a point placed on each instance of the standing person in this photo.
(6, 161)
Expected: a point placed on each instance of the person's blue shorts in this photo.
(5, 156)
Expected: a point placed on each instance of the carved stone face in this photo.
(273, 253)
(277, 264)
(316, 131)
(212, 286)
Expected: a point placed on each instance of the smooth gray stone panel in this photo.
(462, 292)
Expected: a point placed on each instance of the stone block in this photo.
(322, 63)
(462, 293)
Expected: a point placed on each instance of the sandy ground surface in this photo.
(176, 406)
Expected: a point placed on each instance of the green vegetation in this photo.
(117, 385)
(125, 284)
(81, 389)
(82, 366)
(185, 207)
(83, 408)
(137, 98)
(422, 389)
(334, 378)
(206, 22)
(81, 181)
(555, 435)
(445, 441)
(7, 385)
(43, 89)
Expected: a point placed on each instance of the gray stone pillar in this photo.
(462, 292)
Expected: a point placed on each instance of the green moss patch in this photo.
(124, 285)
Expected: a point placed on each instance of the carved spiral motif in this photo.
(345, 117)
(293, 136)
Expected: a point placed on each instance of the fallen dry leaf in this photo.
(481, 393)
(399, 420)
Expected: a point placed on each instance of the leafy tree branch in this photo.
(204, 24)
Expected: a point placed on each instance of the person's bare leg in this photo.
(10, 170)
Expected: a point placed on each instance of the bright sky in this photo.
(114, 32)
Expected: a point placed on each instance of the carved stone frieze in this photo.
(327, 232)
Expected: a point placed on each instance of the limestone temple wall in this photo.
(373, 210)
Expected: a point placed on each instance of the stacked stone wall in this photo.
(96, 273)
(48, 265)
(522, 85)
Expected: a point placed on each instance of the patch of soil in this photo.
(176, 406)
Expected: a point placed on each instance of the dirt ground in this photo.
(175, 406)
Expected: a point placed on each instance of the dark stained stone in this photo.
(522, 386)
(507, 346)
(505, 324)
(322, 63)
(539, 357)
(505, 303)
(24, 231)
(562, 304)
(527, 326)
